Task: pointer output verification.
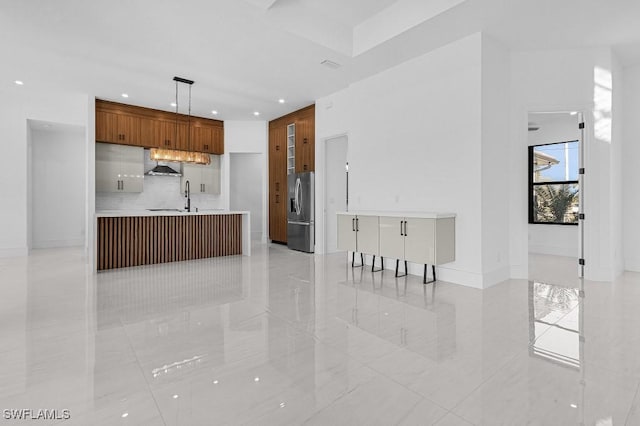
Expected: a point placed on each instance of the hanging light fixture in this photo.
(187, 156)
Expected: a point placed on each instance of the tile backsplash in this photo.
(160, 192)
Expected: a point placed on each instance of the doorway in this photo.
(555, 144)
(245, 188)
(335, 188)
(57, 187)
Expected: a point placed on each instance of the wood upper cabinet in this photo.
(207, 138)
(117, 128)
(131, 125)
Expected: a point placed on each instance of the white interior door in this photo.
(246, 188)
(335, 188)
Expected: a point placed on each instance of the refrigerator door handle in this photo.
(298, 195)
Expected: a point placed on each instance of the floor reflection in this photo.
(554, 314)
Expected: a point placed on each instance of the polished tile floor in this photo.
(286, 338)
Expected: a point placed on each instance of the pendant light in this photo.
(188, 156)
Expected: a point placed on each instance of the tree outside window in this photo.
(553, 183)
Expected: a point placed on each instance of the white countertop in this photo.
(136, 213)
(425, 215)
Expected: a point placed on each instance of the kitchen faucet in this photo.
(187, 195)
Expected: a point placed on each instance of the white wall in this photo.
(566, 80)
(631, 178)
(333, 118)
(414, 144)
(558, 240)
(20, 104)
(495, 167)
(247, 137)
(58, 187)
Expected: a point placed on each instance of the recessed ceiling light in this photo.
(173, 104)
(281, 101)
(214, 112)
(19, 82)
(124, 95)
(573, 113)
(256, 379)
(215, 382)
(175, 396)
(124, 415)
(256, 113)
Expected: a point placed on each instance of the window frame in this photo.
(533, 184)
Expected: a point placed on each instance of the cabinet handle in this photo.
(277, 147)
(278, 198)
(204, 187)
(357, 225)
(277, 186)
(353, 224)
(401, 227)
(304, 167)
(304, 140)
(405, 228)
(206, 147)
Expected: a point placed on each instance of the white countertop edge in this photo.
(425, 215)
(140, 213)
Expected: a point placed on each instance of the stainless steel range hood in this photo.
(160, 170)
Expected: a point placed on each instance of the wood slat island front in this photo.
(144, 239)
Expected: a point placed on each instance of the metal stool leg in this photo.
(433, 270)
(373, 264)
(353, 257)
(405, 268)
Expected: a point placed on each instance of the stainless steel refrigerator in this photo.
(301, 212)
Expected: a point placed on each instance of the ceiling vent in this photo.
(330, 64)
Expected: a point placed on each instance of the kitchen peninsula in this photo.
(133, 238)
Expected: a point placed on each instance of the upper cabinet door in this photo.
(128, 129)
(218, 140)
(211, 176)
(107, 168)
(132, 168)
(151, 133)
(106, 126)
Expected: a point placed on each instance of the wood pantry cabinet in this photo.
(291, 149)
(278, 183)
(149, 128)
(298, 129)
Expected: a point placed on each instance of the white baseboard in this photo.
(59, 243)
(632, 264)
(496, 276)
(14, 252)
(554, 251)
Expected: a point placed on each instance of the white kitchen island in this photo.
(141, 237)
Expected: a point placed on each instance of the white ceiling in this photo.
(245, 55)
